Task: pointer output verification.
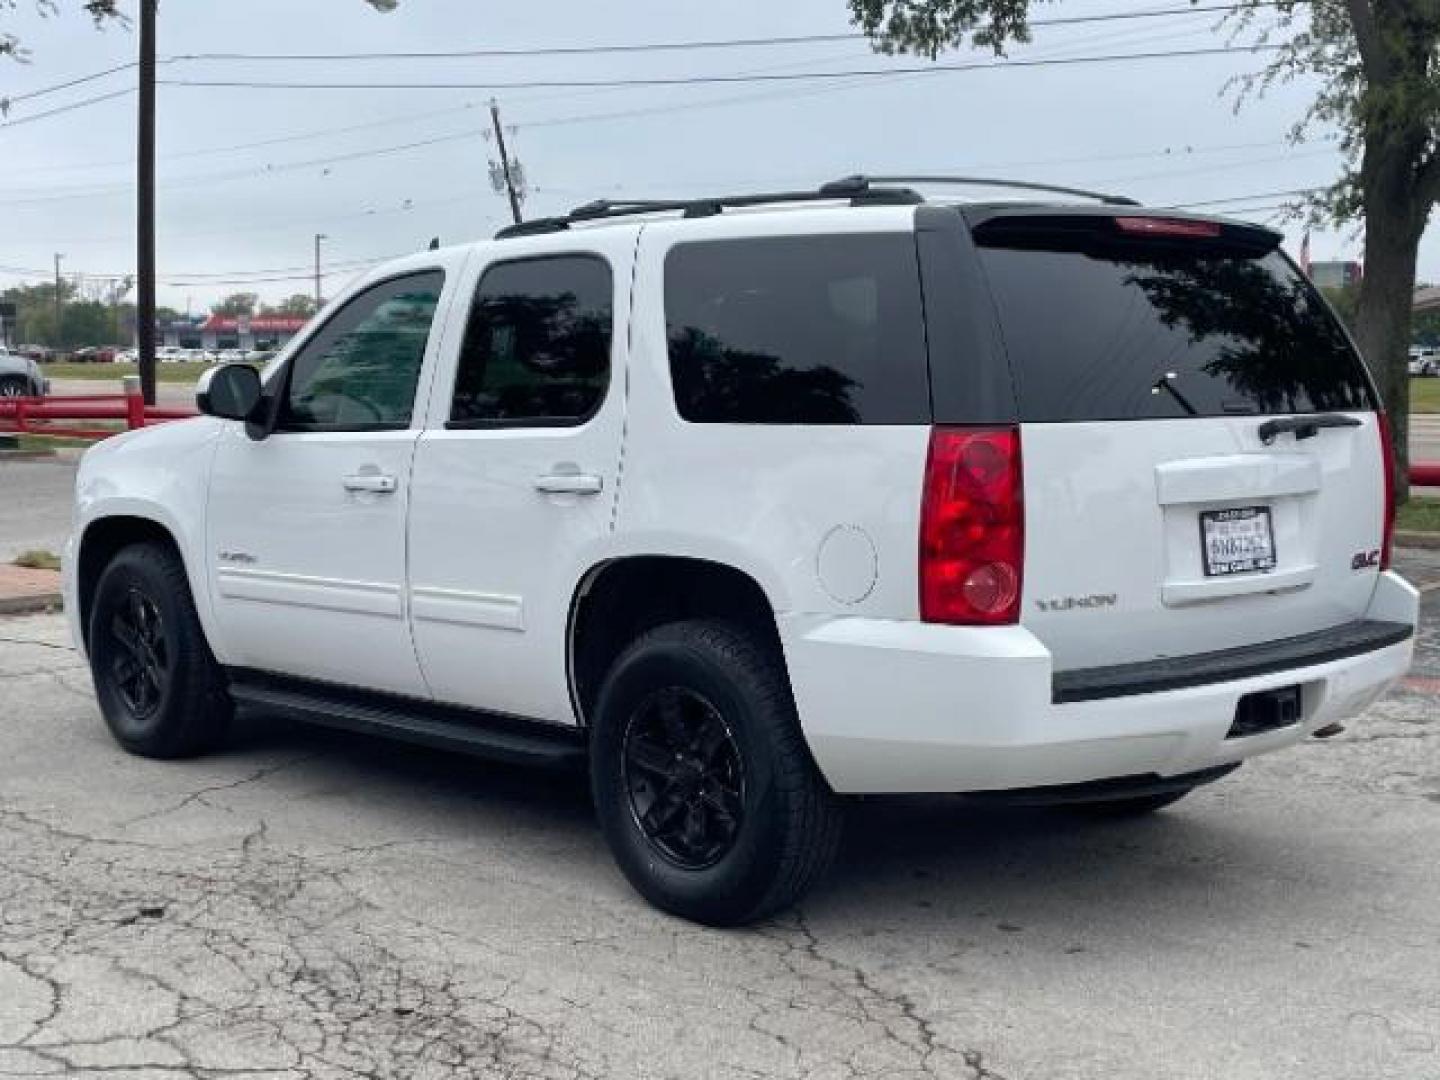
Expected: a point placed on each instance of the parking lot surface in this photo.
(308, 904)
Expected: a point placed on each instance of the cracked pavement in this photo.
(313, 904)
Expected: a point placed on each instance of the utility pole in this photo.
(145, 210)
(505, 163)
(59, 302)
(319, 300)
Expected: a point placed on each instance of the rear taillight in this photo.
(1387, 455)
(972, 527)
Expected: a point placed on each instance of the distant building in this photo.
(230, 332)
(1335, 275)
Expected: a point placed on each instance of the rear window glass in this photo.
(1120, 331)
(797, 330)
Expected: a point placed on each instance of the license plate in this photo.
(1237, 541)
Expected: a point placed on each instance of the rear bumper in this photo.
(910, 707)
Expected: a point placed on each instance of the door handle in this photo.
(569, 484)
(378, 483)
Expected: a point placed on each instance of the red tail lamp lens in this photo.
(972, 527)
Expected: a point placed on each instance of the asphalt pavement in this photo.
(311, 904)
(35, 498)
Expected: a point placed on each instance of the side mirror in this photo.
(230, 392)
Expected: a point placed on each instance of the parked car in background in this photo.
(20, 376)
(1424, 361)
(41, 353)
(94, 354)
(127, 356)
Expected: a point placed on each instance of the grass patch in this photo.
(166, 373)
(1425, 395)
(38, 560)
(32, 443)
(1419, 515)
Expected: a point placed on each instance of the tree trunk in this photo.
(1393, 224)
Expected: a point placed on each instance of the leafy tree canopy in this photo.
(236, 304)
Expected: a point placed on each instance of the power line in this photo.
(80, 81)
(67, 108)
(700, 80)
(679, 46)
(1253, 197)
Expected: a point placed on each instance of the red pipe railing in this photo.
(55, 416)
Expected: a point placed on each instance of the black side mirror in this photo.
(230, 392)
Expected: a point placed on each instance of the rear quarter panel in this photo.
(825, 518)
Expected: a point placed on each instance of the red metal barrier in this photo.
(55, 416)
(1425, 473)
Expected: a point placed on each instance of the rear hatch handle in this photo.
(1304, 427)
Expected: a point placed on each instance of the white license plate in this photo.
(1237, 541)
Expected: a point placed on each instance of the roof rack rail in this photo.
(707, 206)
(854, 185)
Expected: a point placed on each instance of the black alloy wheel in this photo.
(140, 656)
(685, 777)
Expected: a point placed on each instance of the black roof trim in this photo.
(859, 184)
(859, 190)
(707, 206)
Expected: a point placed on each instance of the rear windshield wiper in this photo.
(1304, 427)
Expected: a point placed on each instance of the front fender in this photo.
(160, 475)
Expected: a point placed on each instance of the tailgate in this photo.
(1202, 453)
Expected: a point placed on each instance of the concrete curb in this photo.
(1415, 539)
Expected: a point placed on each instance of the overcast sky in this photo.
(1159, 129)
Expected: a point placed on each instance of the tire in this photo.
(160, 690)
(1137, 806)
(14, 386)
(773, 826)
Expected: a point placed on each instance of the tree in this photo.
(236, 305)
(1380, 87)
(299, 306)
(102, 12)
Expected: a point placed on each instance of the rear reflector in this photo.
(1387, 455)
(1151, 226)
(972, 527)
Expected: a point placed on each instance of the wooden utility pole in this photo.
(505, 162)
(319, 290)
(145, 209)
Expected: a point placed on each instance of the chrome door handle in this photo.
(378, 483)
(569, 484)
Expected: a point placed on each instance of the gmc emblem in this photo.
(1365, 560)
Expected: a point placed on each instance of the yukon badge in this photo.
(1365, 560)
(1070, 603)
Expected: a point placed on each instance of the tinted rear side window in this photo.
(537, 345)
(797, 330)
(1160, 331)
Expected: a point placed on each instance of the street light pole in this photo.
(319, 300)
(59, 302)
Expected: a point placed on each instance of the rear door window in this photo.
(797, 330)
(1107, 330)
(537, 345)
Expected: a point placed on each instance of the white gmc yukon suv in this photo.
(755, 503)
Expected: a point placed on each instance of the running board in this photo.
(445, 727)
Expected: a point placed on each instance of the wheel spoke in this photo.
(651, 758)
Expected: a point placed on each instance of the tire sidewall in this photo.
(741, 877)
